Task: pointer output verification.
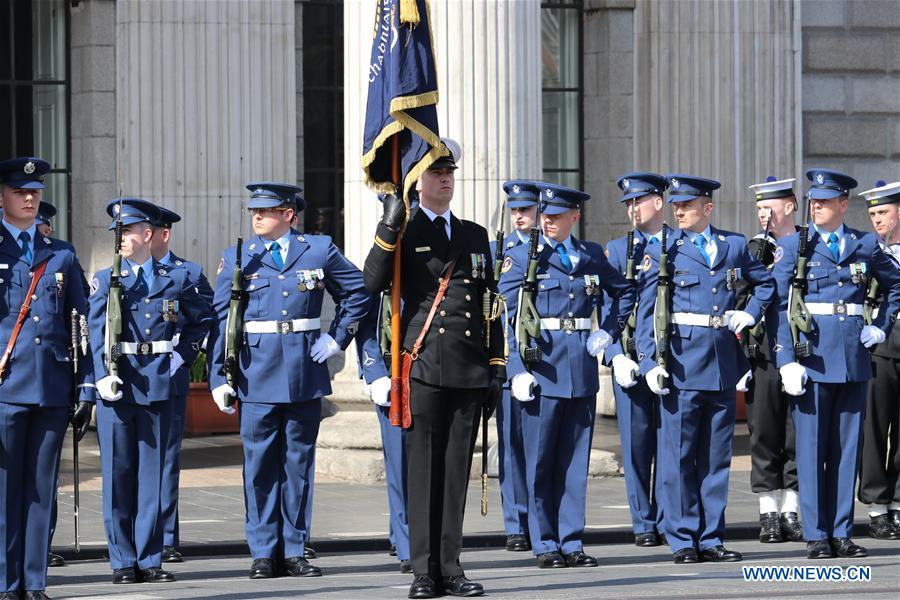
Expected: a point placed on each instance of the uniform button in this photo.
(285, 294)
(252, 286)
(284, 313)
(571, 278)
(146, 300)
(37, 319)
(569, 332)
(37, 341)
(468, 333)
(712, 272)
(146, 332)
(839, 267)
(443, 313)
(840, 284)
(714, 290)
(542, 286)
(34, 297)
(468, 297)
(281, 277)
(715, 308)
(571, 296)
(441, 330)
(468, 315)
(146, 315)
(571, 314)
(840, 318)
(1, 280)
(465, 281)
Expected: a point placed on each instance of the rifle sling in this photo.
(36, 274)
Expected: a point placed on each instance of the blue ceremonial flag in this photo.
(402, 95)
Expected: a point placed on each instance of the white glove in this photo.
(743, 384)
(175, 363)
(324, 348)
(597, 342)
(652, 382)
(737, 320)
(380, 391)
(625, 371)
(871, 336)
(104, 388)
(522, 386)
(220, 396)
(793, 376)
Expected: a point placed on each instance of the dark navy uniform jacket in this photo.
(40, 369)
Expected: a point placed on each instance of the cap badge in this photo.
(820, 179)
(549, 193)
(625, 183)
(29, 168)
(516, 189)
(676, 184)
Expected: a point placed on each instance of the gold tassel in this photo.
(409, 12)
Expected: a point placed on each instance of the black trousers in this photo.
(880, 455)
(772, 440)
(439, 447)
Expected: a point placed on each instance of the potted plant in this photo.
(202, 416)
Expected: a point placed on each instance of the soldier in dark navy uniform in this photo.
(829, 385)
(879, 469)
(37, 386)
(454, 374)
(164, 320)
(282, 370)
(159, 248)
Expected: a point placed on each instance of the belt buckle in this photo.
(285, 327)
(840, 309)
(716, 321)
(568, 324)
(145, 348)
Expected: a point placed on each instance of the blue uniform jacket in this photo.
(146, 319)
(201, 284)
(566, 369)
(40, 369)
(837, 354)
(702, 358)
(278, 368)
(368, 347)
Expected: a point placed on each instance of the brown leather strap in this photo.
(20, 320)
(442, 290)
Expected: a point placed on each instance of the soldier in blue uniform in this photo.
(879, 467)
(559, 393)
(159, 248)
(521, 200)
(829, 385)
(704, 369)
(37, 386)
(282, 367)
(637, 408)
(164, 320)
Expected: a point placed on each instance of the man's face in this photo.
(523, 218)
(159, 244)
(46, 230)
(885, 219)
(558, 227)
(694, 214)
(780, 210)
(136, 239)
(271, 221)
(20, 205)
(828, 214)
(643, 209)
(437, 185)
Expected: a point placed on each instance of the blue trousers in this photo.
(697, 430)
(279, 454)
(828, 420)
(168, 495)
(557, 434)
(132, 448)
(511, 454)
(31, 438)
(393, 443)
(637, 411)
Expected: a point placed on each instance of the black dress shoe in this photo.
(517, 543)
(460, 585)
(156, 575)
(405, 567)
(36, 595)
(580, 559)
(551, 560)
(685, 556)
(791, 529)
(297, 566)
(895, 518)
(171, 555)
(845, 548)
(819, 549)
(262, 568)
(720, 554)
(393, 550)
(126, 575)
(422, 587)
(55, 560)
(770, 528)
(646, 540)
(881, 528)
(308, 553)
(663, 540)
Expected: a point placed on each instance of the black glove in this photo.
(81, 418)
(495, 390)
(394, 212)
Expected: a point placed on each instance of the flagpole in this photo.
(396, 380)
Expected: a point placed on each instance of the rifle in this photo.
(871, 302)
(663, 308)
(234, 326)
(114, 304)
(798, 314)
(79, 341)
(384, 334)
(528, 323)
(628, 343)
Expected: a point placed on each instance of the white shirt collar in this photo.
(433, 215)
(839, 232)
(15, 231)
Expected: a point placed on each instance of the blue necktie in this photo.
(653, 240)
(834, 246)
(140, 286)
(275, 251)
(25, 242)
(564, 256)
(700, 242)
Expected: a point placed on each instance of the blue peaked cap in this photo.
(557, 199)
(827, 184)
(24, 173)
(134, 210)
(639, 184)
(521, 193)
(684, 188)
(267, 194)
